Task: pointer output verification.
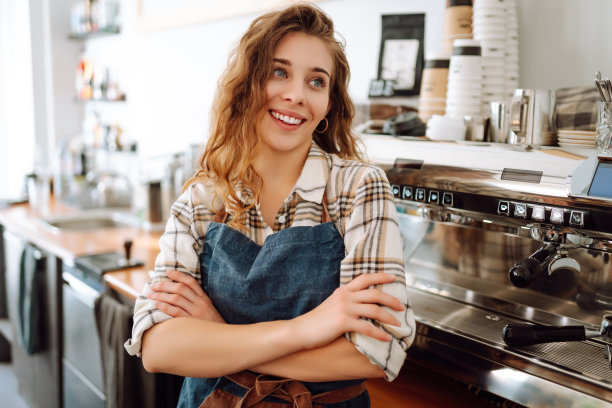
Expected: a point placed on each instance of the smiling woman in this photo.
(282, 258)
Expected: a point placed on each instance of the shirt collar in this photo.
(313, 179)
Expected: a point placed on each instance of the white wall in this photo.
(16, 98)
(169, 75)
(563, 42)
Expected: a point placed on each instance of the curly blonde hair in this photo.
(241, 99)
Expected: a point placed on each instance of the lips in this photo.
(290, 120)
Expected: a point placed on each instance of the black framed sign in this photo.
(401, 56)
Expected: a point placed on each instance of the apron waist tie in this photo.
(292, 391)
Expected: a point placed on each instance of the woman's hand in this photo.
(183, 296)
(343, 310)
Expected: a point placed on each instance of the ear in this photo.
(329, 106)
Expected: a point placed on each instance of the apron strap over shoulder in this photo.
(325, 214)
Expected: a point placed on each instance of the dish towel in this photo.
(29, 313)
(126, 382)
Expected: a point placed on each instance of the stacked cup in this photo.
(512, 48)
(464, 95)
(489, 26)
(457, 23)
(432, 100)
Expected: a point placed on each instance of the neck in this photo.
(280, 169)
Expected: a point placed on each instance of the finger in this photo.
(379, 297)
(171, 299)
(376, 312)
(174, 288)
(368, 329)
(170, 309)
(366, 280)
(187, 279)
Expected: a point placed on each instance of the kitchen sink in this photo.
(90, 220)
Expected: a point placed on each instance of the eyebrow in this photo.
(288, 63)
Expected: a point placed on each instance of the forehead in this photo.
(305, 51)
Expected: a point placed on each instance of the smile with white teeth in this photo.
(286, 119)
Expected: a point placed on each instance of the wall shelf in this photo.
(92, 34)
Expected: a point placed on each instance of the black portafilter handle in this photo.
(519, 334)
(525, 271)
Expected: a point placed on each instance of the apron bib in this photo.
(293, 272)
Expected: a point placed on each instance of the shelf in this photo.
(92, 34)
(100, 100)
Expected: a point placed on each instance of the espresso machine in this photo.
(507, 254)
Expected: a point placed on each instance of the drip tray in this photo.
(586, 358)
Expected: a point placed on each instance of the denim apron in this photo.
(294, 271)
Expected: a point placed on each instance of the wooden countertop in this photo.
(68, 244)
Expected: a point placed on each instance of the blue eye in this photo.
(318, 82)
(279, 72)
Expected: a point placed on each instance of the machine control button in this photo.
(407, 193)
(539, 213)
(503, 208)
(447, 199)
(556, 216)
(420, 194)
(520, 210)
(576, 219)
(396, 190)
(434, 197)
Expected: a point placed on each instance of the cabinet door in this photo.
(38, 374)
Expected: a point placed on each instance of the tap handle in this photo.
(127, 246)
(518, 334)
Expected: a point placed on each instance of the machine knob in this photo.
(524, 272)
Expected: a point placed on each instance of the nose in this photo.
(294, 91)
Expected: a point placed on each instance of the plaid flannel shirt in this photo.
(361, 205)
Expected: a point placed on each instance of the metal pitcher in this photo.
(531, 117)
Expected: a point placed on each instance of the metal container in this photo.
(531, 114)
(495, 234)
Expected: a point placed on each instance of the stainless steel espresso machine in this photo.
(507, 252)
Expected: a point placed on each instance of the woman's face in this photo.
(297, 91)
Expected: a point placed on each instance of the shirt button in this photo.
(281, 219)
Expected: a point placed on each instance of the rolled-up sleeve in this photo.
(373, 244)
(180, 246)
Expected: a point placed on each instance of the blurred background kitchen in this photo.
(108, 101)
(115, 95)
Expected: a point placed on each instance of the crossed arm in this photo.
(310, 347)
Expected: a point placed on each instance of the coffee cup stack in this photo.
(511, 65)
(432, 100)
(489, 27)
(457, 23)
(464, 94)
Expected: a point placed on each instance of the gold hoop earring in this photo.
(322, 131)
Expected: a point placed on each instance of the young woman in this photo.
(280, 277)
